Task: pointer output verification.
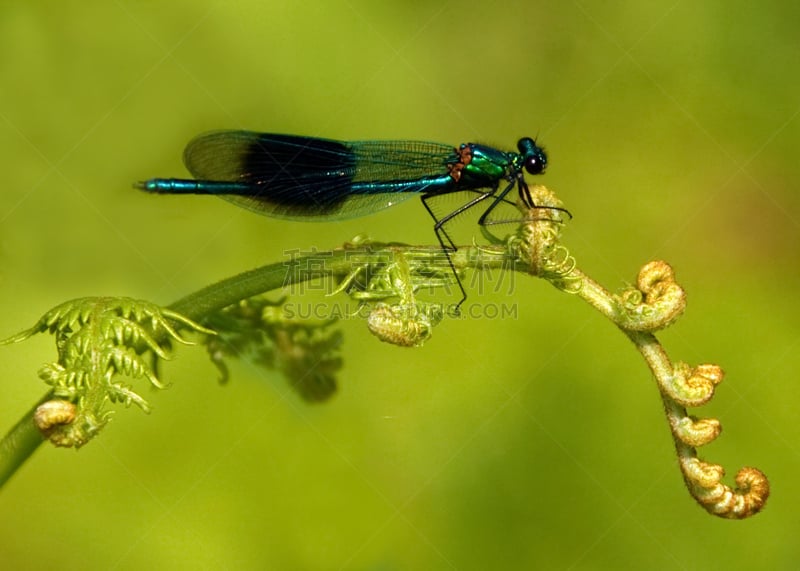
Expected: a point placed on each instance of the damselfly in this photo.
(312, 179)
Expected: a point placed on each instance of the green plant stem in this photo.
(337, 263)
(20, 443)
(595, 294)
(24, 438)
(254, 282)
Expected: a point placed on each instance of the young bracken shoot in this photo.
(100, 339)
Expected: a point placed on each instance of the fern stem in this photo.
(20, 443)
(231, 290)
(24, 438)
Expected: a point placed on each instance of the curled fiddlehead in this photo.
(655, 302)
(99, 340)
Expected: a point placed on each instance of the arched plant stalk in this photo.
(100, 340)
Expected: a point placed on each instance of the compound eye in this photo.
(535, 164)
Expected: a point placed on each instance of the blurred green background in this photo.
(529, 443)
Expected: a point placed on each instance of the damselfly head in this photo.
(534, 158)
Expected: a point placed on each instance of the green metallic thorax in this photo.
(488, 164)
